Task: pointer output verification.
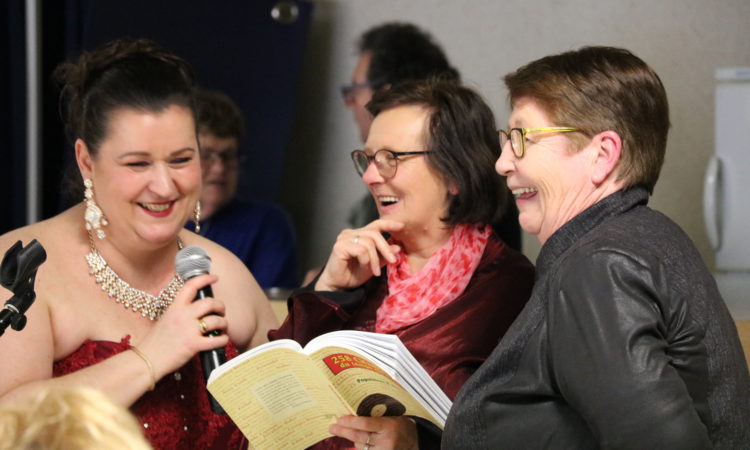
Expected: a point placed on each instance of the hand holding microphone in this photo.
(190, 262)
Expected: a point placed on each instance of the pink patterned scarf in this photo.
(412, 298)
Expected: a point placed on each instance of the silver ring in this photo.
(355, 239)
(367, 444)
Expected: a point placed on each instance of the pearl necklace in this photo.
(122, 292)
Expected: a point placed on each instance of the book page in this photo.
(368, 389)
(388, 353)
(279, 400)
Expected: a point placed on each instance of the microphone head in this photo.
(192, 261)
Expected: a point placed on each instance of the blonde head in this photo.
(77, 419)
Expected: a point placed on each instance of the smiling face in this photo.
(220, 169)
(552, 183)
(416, 194)
(146, 174)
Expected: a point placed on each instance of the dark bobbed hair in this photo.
(124, 73)
(219, 115)
(463, 145)
(402, 52)
(596, 89)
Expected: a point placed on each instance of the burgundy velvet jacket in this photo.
(451, 343)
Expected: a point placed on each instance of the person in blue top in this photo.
(260, 234)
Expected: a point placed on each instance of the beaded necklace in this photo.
(122, 292)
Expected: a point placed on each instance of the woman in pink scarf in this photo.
(430, 270)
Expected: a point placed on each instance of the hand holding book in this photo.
(383, 432)
(283, 396)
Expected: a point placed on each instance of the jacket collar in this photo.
(614, 204)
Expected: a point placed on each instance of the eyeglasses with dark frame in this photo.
(517, 137)
(229, 157)
(348, 89)
(386, 161)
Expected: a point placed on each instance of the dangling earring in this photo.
(94, 216)
(197, 216)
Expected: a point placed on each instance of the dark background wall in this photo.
(12, 112)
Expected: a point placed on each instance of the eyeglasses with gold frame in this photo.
(517, 137)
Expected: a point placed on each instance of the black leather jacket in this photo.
(625, 343)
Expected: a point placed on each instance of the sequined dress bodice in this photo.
(176, 414)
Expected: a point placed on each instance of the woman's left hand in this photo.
(377, 432)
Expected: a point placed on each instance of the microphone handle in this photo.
(211, 359)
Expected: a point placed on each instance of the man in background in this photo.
(390, 54)
(261, 235)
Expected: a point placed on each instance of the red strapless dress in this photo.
(176, 414)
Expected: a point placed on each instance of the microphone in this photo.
(17, 274)
(190, 262)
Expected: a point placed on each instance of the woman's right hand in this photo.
(357, 255)
(177, 335)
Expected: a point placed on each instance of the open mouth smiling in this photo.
(156, 207)
(523, 192)
(388, 200)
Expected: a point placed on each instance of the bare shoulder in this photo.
(24, 234)
(60, 279)
(223, 262)
(59, 236)
(35, 347)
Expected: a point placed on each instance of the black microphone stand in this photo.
(17, 274)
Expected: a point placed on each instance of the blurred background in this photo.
(284, 68)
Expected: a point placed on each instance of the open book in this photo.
(285, 397)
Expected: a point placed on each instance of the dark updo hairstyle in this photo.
(463, 145)
(124, 73)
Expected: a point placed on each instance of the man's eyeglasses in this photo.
(386, 161)
(228, 157)
(348, 89)
(517, 137)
